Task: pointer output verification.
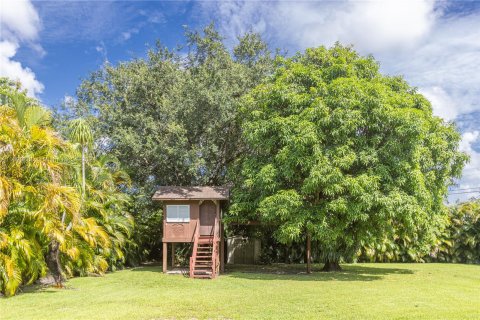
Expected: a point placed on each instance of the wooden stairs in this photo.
(203, 257)
(205, 262)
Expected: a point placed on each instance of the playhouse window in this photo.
(178, 213)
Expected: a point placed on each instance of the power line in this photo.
(465, 192)
(467, 189)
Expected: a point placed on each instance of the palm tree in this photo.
(34, 197)
(42, 209)
(28, 113)
(108, 204)
(81, 133)
(36, 201)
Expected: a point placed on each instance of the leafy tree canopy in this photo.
(341, 152)
(171, 119)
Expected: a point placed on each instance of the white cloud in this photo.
(371, 25)
(445, 65)
(102, 49)
(128, 34)
(391, 24)
(69, 100)
(15, 71)
(19, 20)
(19, 23)
(443, 105)
(154, 16)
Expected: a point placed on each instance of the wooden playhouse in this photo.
(194, 215)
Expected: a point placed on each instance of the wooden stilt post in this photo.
(164, 253)
(309, 268)
(222, 249)
(173, 254)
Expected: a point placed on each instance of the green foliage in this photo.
(337, 150)
(27, 111)
(80, 132)
(393, 249)
(40, 202)
(460, 242)
(171, 119)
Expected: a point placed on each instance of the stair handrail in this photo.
(215, 248)
(193, 258)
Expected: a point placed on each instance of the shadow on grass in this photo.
(157, 268)
(41, 288)
(298, 273)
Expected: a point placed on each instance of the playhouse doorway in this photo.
(207, 218)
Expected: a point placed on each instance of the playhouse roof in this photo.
(191, 193)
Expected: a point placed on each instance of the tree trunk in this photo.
(331, 266)
(308, 255)
(53, 263)
(83, 172)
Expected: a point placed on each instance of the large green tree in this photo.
(339, 152)
(171, 118)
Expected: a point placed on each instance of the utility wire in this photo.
(466, 189)
(465, 192)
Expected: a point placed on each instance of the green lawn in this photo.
(362, 291)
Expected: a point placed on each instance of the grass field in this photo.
(361, 291)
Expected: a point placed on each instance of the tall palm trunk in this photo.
(83, 171)
(82, 134)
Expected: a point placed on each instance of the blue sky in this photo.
(51, 45)
(77, 38)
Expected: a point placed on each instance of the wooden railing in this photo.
(215, 238)
(194, 251)
(215, 261)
